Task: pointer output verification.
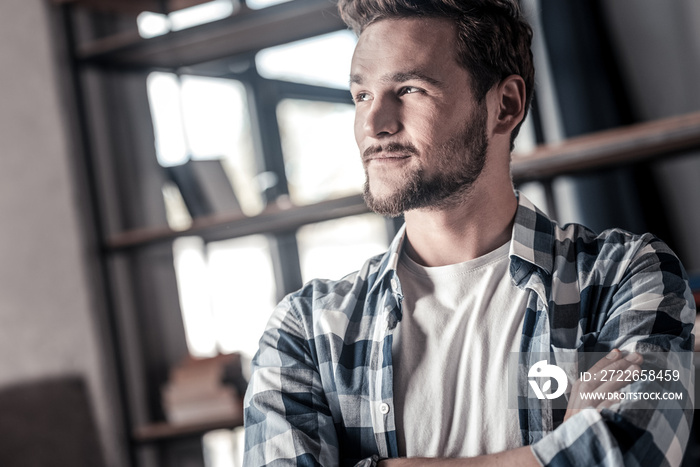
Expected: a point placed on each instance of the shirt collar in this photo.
(533, 236)
(532, 241)
(390, 260)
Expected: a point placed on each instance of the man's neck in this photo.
(478, 223)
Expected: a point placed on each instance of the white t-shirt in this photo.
(450, 353)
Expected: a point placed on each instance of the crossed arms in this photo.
(297, 413)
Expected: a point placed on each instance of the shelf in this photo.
(164, 431)
(132, 7)
(244, 32)
(644, 141)
(220, 227)
(634, 143)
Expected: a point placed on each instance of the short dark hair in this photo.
(493, 38)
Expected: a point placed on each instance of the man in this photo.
(408, 357)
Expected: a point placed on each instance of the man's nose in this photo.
(383, 118)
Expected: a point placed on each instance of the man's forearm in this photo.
(521, 457)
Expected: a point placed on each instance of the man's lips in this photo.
(390, 152)
(387, 156)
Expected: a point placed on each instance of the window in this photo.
(321, 158)
(242, 290)
(350, 241)
(322, 60)
(200, 118)
(226, 293)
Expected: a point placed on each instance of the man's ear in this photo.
(510, 93)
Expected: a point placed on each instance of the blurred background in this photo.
(172, 168)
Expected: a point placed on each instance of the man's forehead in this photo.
(403, 49)
(408, 31)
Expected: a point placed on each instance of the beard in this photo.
(459, 162)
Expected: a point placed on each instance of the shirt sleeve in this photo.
(287, 418)
(288, 421)
(651, 310)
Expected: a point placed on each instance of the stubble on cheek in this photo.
(457, 165)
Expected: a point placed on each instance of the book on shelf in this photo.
(199, 390)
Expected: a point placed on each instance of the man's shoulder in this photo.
(543, 240)
(611, 245)
(611, 257)
(565, 251)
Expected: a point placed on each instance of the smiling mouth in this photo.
(389, 152)
(387, 157)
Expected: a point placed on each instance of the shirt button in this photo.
(384, 408)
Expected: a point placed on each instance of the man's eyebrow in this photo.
(400, 77)
(403, 76)
(355, 79)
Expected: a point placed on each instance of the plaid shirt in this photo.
(321, 391)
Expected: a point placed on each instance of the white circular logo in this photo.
(542, 369)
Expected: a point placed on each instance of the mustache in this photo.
(405, 148)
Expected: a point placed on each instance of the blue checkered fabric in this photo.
(321, 390)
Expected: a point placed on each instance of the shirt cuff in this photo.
(582, 440)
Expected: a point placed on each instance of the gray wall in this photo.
(47, 323)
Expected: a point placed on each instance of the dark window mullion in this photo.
(263, 97)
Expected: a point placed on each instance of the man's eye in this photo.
(410, 90)
(361, 97)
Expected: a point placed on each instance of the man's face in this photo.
(421, 133)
